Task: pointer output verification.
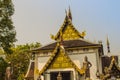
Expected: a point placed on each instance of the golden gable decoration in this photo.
(67, 30)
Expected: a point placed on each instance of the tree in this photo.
(3, 65)
(7, 32)
(20, 58)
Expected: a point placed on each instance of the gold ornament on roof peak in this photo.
(67, 30)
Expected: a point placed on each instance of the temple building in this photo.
(71, 57)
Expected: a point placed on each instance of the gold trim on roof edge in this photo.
(113, 61)
(68, 31)
(81, 71)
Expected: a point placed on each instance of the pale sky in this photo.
(35, 20)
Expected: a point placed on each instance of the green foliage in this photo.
(3, 65)
(7, 32)
(20, 59)
(21, 77)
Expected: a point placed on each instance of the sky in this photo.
(35, 20)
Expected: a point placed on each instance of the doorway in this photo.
(66, 75)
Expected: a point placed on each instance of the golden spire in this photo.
(108, 45)
(69, 14)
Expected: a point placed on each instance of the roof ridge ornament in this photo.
(67, 30)
(108, 45)
(69, 14)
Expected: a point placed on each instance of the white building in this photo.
(65, 56)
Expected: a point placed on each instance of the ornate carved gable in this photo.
(112, 70)
(67, 30)
(60, 60)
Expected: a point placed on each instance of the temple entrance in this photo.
(66, 75)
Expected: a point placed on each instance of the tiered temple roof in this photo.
(70, 44)
(70, 36)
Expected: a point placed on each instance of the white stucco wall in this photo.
(42, 61)
(79, 58)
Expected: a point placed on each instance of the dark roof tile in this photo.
(68, 44)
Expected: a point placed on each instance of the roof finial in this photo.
(108, 45)
(66, 11)
(69, 14)
(66, 18)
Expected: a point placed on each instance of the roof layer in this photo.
(69, 44)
